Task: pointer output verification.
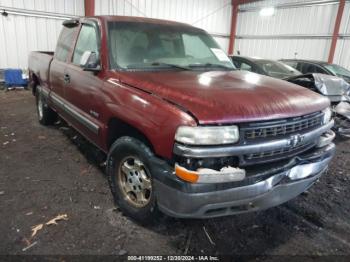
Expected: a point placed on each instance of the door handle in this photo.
(66, 79)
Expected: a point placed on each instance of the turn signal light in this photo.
(187, 175)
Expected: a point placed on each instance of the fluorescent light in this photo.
(267, 11)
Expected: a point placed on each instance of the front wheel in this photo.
(130, 179)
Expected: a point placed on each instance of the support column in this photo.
(336, 31)
(89, 7)
(234, 14)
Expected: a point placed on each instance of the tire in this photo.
(46, 115)
(126, 155)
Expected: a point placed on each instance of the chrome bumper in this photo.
(273, 191)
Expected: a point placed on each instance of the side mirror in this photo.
(90, 62)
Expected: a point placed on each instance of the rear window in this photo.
(338, 70)
(293, 64)
(271, 66)
(65, 43)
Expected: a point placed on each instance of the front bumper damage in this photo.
(342, 119)
(262, 187)
(203, 201)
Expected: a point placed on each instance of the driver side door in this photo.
(83, 92)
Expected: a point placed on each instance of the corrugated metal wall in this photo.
(275, 37)
(212, 15)
(20, 34)
(305, 20)
(261, 36)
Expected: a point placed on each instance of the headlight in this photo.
(327, 115)
(201, 135)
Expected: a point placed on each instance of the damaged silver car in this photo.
(337, 90)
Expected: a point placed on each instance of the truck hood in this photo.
(222, 97)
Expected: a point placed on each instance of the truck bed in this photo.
(39, 64)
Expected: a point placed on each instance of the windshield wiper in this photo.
(210, 65)
(158, 64)
(170, 65)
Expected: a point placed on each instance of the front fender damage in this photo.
(342, 119)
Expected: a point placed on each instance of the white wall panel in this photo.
(212, 15)
(265, 3)
(342, 54)
(23, 34)
(303, 20)
(284, 48)
(69, 7)
(345, 23)
(317, 19)
(19, 34)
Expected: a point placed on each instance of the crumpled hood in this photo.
(329, 85)
(220, 97)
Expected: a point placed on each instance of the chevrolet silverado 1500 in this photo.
(184, 132)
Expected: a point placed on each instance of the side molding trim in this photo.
(75, 114)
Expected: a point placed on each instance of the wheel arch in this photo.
(34, 82)
(118, 128)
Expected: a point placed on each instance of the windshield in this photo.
(277, 69)
(338, 70)
(152, 46)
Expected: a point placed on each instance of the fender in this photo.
(145, 112)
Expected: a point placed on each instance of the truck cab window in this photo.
(65, 43)
(87, 41)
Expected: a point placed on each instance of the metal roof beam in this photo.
(335, 35)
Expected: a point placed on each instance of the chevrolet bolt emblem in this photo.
(296, 140)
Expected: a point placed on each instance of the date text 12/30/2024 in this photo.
(173, 258)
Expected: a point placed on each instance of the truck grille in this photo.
(277, 154)
(272, 129)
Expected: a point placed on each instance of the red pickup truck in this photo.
(185, 132)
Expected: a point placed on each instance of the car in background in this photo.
(321, 67)
(264, 67)
(337, 90)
